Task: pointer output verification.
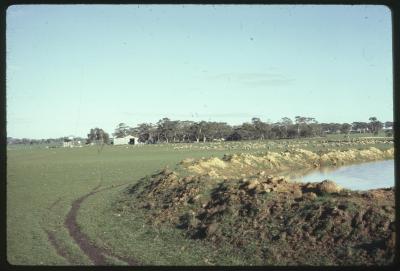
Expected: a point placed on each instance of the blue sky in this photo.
(72, 68)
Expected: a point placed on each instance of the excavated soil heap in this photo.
(284, 222)
(246, 164)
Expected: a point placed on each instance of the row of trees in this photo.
(166, 130)
(47, 141)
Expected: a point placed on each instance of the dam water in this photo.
(371, 175)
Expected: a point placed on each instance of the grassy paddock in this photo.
(42, 183)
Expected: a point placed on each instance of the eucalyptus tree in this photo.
(261, 129)
(375, 125)
(360, 126)
(304, 123)
(286, 123)
(345, 128)
(122, 130)
(199, 130)
(167, 129)
(145, 132)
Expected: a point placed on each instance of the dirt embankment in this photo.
(243, 164)
(282, 222)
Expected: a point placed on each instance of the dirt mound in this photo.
(328, 186)
(242, 164)
(205, 165)
(282, 222)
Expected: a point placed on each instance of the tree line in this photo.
(177, 131)
(47, 141)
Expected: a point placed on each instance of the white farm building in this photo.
(70, 142)
(131, 140)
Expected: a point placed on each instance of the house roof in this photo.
(127, 137)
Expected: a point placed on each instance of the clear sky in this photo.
(72, 68)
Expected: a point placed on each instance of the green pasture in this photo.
(37, 177)
(43, 182)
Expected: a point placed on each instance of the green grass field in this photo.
(42, 184)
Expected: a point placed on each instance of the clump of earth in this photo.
(283, 222)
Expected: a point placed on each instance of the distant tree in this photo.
(310, 130)
(299, 121)
(331, 128)
(315, 128)
(388, 124)
(235, 136)
(361, 127)
(261, 130)
(223, 130)
(286, 123)
(183, 131)
(199, 130)
(167, 129)
(214, 130)
(98, 135)
(174, 127)
(304, 123)
(122, 130)
(146, 132)
(345, 128)
(375, 125)
(246, 131)
(210, 131)
(188, 131)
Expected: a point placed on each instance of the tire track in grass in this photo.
(51, 237)
(54, 203)
(95, 254)
(59, 249)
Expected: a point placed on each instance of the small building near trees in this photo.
(127, 140)
(68, 142)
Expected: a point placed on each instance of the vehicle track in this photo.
(54, 203)
(96, 254)
(58, 247)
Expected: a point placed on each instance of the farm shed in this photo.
(68, 142)
(71, 142)
(131, 140)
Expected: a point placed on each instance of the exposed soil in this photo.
(58, 247)
(281, 222)
(236, 165)
(94, 254)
